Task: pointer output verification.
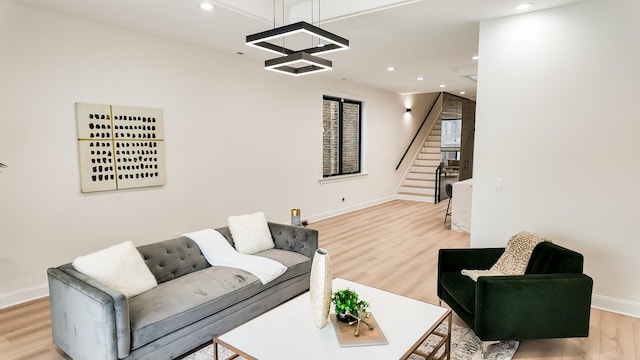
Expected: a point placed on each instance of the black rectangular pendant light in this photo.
(333, 41)
(308, 64)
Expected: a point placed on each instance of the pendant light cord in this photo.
(274, 21)
(319, 17)
(312, 9)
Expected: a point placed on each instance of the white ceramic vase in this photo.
(320, 287)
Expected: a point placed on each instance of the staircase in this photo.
(420, 182)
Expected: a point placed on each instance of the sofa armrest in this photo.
(533, 306)
(455, 260)
(295, 238)
(88, 319)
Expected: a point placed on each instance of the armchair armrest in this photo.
(532, 306)
(89, 320)
(295, 238)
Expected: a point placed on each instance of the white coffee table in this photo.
(288, 332)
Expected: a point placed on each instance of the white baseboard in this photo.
(622, 307)
(332, 213)
(23, 295)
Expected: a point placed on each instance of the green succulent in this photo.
(347, 300)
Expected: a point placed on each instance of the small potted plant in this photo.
(346, 301)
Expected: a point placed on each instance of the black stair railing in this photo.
(436, 196)
(417, 132)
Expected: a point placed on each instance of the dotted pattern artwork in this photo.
(120, 147)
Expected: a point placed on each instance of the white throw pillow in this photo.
(250, 233)
(119, 267)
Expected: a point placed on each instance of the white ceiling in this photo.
(435, 39)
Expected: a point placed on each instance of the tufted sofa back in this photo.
(173, 258)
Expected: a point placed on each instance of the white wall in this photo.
(238, 139)
(557, 119)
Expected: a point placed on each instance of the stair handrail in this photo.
(420, 128)
(436, 196)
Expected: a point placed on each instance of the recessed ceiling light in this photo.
(443, 85)
(420, 78)
(206, 6)
(475, 57)
(462, 92)
(524, 6)
(391, 68)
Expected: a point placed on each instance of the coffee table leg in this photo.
(443, 344)
(235, 353)
(447, 345)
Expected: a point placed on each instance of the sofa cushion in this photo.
(250, 233)
(177, 303)
(296, 264)
(119, 267)
(462, 288)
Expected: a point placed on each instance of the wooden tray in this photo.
(345, 336)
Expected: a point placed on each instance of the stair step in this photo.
(423, 169)
(421, 176)
(433, 163)
(429, 156)
(430, 149)
(414, 190)
(421, 183)
(427, 199)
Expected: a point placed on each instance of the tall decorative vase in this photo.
(320, 287)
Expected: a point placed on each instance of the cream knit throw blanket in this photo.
(515, 258)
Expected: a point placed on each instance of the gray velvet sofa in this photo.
(192, 303)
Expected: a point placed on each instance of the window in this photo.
(341, 124)
(451, 130)
(450, 140)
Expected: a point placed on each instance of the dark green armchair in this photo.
(552, 299)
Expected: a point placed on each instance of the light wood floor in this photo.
(392, 246)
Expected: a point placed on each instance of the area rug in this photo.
(465, 345)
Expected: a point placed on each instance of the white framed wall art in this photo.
(120, 147)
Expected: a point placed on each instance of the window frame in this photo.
(340, 173)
